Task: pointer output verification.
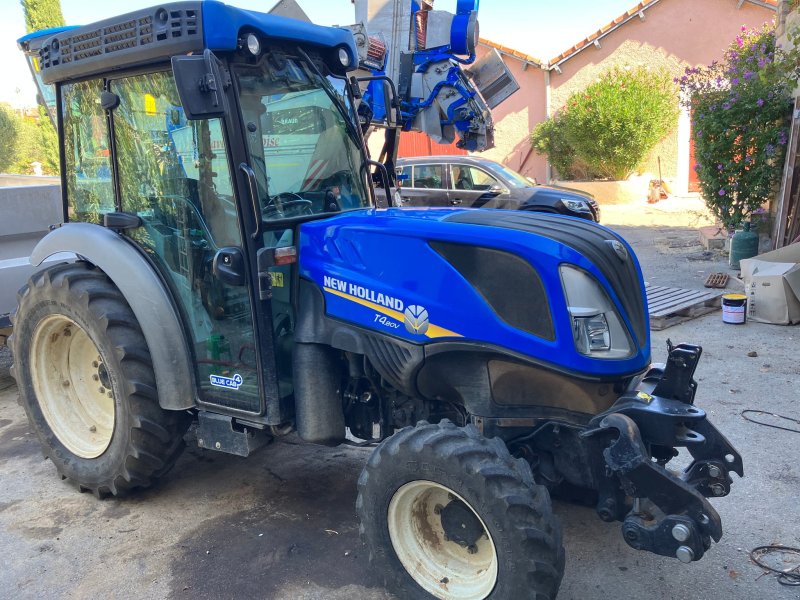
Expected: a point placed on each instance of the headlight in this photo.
(597, 328)
(575, 205)
(253, 44)
(344, 57)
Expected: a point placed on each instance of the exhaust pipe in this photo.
(318, 394)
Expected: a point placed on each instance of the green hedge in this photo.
(609, 128)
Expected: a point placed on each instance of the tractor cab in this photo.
(206, 135)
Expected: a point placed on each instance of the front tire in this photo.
(449, 514)
(87, 385)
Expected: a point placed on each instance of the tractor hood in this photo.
(489, 277)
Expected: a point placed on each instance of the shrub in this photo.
(609, 128)
(9, 134)
(549, 139)
(36, 142)
(741, 109)
(615, 122)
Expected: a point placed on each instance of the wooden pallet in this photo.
(669, 306)
(717, 280)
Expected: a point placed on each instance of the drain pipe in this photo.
(548, 168)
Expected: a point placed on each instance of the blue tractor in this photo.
(228, 266)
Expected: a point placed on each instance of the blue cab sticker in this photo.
(231, 383)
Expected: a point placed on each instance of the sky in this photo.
(541, 28)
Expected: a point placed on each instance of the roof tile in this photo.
(512, 52)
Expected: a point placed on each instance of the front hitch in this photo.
(639, 434)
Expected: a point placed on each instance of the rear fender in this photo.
(147, 296)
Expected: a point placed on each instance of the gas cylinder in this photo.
(744, 244)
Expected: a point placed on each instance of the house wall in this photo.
(674, 34)
(516, 117)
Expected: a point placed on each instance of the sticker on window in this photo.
(231, 383)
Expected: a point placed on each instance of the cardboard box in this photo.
(772, 286)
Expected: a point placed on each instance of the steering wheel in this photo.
(293, 203)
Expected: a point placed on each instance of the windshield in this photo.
(306, 153)
(515, 179)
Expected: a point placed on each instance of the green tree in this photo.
(9, 135)
(48, 143)
(548, 139)
(42, 14)
(39, 141)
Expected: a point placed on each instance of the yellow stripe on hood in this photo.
(434, 331)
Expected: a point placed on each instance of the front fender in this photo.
(147, 296)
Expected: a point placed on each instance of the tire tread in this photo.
(155, 436)
(523, 507)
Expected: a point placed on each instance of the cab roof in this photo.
(155, 34)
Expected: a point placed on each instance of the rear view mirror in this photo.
(200, 85)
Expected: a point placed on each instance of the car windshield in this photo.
(515, 179)
(305, 149)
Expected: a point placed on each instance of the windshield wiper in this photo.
(354, 133)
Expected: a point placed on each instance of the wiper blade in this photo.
(332, 95)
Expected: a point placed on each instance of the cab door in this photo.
(177, 176)
(301, 159)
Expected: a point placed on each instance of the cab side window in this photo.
(428, 176)
(90, 191)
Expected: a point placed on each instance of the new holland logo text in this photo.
(359, 291)
(388, 311)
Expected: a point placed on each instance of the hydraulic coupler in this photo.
(669, 513)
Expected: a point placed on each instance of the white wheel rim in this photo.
(72, 386)
(442, 568)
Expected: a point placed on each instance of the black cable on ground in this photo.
(766, 412)
(789, 577)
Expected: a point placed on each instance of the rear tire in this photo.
(447, 513)
(86, 382)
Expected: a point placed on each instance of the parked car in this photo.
(470, 181)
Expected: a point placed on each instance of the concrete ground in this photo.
(281, 524)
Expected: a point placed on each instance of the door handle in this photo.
(253, 187)
(228, 266)
(456, 201)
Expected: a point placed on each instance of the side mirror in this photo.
(496, 189)
(200, 85)
(532, 180)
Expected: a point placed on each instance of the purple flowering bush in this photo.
(740, 123)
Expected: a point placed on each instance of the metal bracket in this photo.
(627, 458)
(677, 381)
(218, 432)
